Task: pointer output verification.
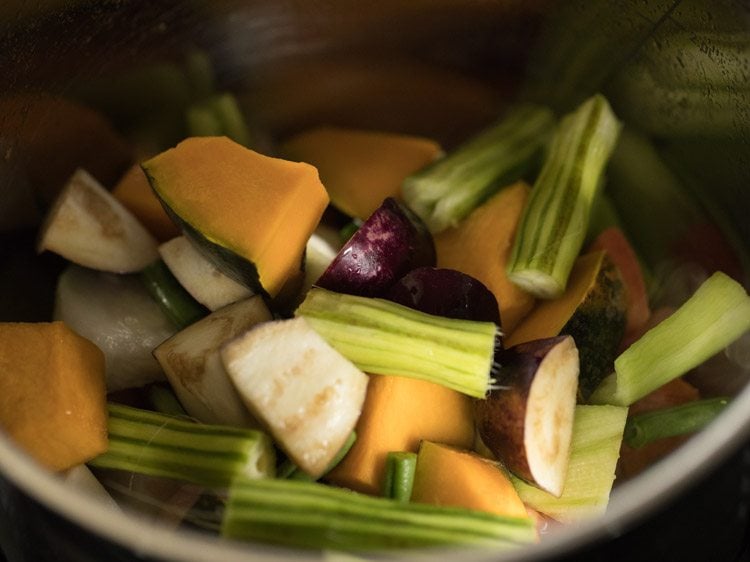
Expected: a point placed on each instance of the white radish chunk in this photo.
(120, 317)
(193, 366)
(88, 226)
(199, 276)
(306, 393)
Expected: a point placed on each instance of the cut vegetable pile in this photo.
(460, 365)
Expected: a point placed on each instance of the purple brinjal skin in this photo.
(446, 292)
(391, 242)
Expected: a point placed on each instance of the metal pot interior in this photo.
(440, 69)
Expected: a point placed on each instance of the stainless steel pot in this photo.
(441, 68)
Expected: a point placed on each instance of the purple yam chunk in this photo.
(446, 292)
(391, 242)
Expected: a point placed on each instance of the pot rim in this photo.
(632, 501)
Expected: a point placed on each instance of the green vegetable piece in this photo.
(311, 515)
(348, 230)
(200, 73)
(385, 338)
(176, 303)
(164, 401)
(400, 468)
(686, 418)
(445, 192)
(289, 470)
(594, 450)
(554, 223)
(150, 443)
(203, 122)
(230, 118)
(715, 316)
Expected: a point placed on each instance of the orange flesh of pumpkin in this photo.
(550, 316)
(55, 136)
(135, 193)
(399, 413)
(452, 477)
(614, 242)
(361, 168)
(52, 393)
(481, 245)
(263, 209)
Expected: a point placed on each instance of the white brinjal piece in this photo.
(527, 421)
(306, 393)
(88, 226)
(199, 276)
(193, 366)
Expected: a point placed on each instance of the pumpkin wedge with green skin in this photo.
(250, 214)
(592, 310)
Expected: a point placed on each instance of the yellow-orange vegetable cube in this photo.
(52, 393)
(361, 168)
(136, 195)
(398, 413)
(453, 477)
(480, 246)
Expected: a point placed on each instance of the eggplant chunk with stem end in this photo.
(527, 420)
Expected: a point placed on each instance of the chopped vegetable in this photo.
(192, 363)
(88, 226)
(164, 400)
(595, 446)
(592, 311)
(448, 190)
(382, 337)
(716, 315)
(290, 470)
(136, 195)
(480, 246)
(52, 393)
(679, 420)
(146, 442)
(306, 393)
(638, 183)
(400, 467)
(398, 413)
(634, 460)
(176, 303)
(211, 185)
(454, 477)
(120, 317)
(527, 420)
(391, 242)
(445, 292)
(360, 168)
(53, 136)
(554, 222)
(311, 515)
(618, 248)
(320, 251)
(199, 276)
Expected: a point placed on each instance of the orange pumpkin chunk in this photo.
(398, 413)
(452, 477)
(361, 168)
(52, 393)
(480, 246)
(261, 209)
(136, 195)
